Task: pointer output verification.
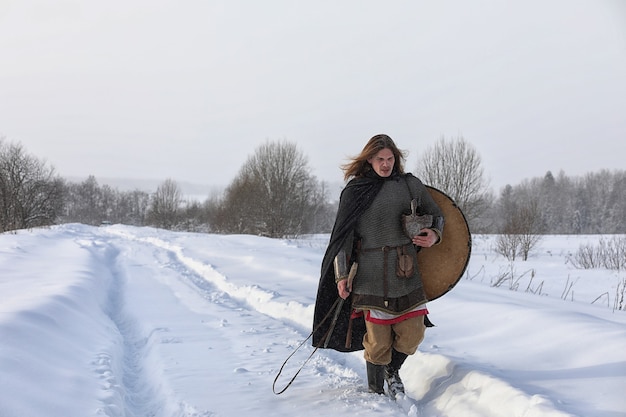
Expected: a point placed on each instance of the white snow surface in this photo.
(126, 321)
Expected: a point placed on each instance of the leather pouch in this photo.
(404, 266)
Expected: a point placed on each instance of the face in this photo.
(383, 162)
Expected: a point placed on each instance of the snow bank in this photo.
(123, 321)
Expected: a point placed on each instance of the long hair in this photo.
(358, 166)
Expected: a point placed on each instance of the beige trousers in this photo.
(380, 339)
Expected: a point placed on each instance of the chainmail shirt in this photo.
(380, 235)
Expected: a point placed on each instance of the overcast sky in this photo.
(187, 89)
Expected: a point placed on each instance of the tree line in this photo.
(274, 194)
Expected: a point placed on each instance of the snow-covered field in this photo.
(125, 321)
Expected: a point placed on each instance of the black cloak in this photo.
(355, 198)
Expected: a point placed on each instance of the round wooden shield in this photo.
(443, 265)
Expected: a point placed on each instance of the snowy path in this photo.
(242, 332)
(142, 322)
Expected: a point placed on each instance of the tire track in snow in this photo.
(134, 393)
(206, 278)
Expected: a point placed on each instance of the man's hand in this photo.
(426, 238)
(343, 289)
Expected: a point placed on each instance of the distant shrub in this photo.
(608, 253)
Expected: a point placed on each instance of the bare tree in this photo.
(454, 167)
(529, 219)
(133, 207)
(84, 203)
(31, 194)
(236, 212)
(324, 212)
(507, 245)
(273, 195)
(165, 204)
(522, 225)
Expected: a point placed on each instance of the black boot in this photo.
(392, 373)
(375, 378)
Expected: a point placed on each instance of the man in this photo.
(386, 304)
